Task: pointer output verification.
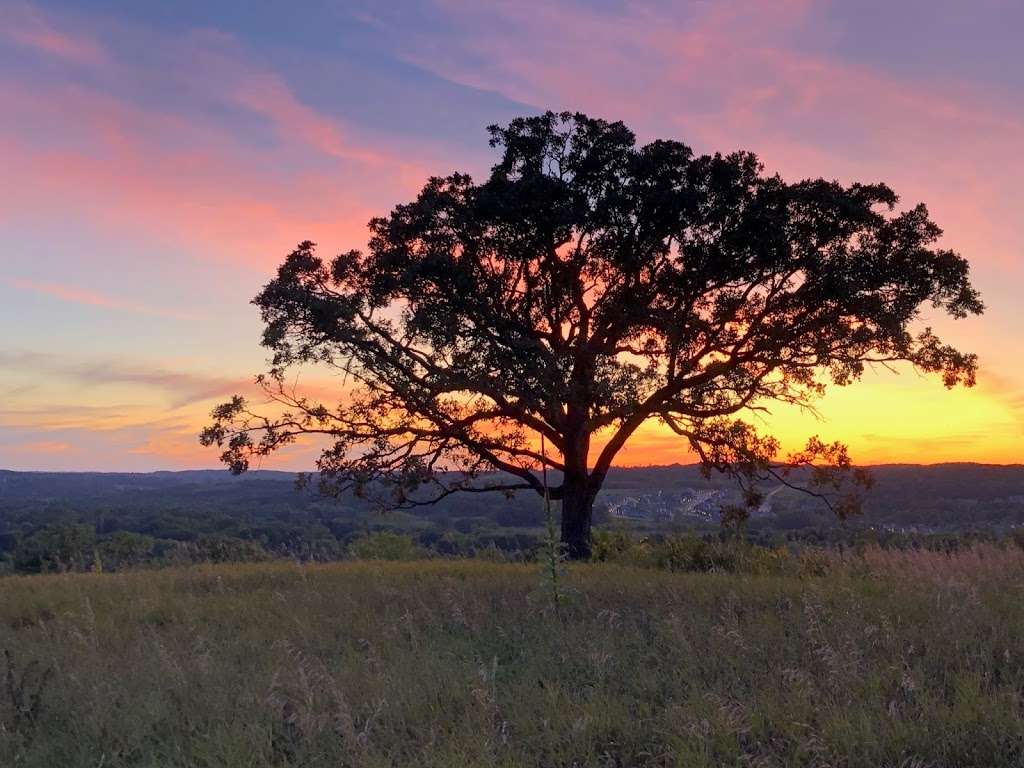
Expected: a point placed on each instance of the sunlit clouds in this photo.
(157, 167)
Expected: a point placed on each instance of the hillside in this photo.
(941, 494)
(81, 521)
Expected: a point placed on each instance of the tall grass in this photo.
(908, 660)
(980, 563)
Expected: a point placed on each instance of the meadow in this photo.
(891, 658)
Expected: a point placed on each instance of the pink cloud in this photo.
(733, 75)
(205, 193)
(30, 28)
(730, 75)
(77, 295)
(725, 75)
(192, 180)
(268, 95)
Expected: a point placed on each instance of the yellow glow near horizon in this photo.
(138, 227)
(885, 418)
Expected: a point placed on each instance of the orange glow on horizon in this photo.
(887, 419)
(135, 153)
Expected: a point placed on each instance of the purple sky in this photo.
(159, 160)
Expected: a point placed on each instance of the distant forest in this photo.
(100, 521)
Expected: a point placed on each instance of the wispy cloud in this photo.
(29, 27)
(734, 75)
(45, 447)
(78, 295)
(1007, 390)
(49, 416)
(189, 169)
(180, 387)
(205, 145)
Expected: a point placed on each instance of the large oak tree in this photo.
(588, 286)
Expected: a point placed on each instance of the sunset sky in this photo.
(158, 160)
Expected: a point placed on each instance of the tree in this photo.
(590, 285)
(63, 547)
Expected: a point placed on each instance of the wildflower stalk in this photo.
(552, 544)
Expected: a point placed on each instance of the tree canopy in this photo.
(587, 286)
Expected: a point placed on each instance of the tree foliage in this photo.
(587, 286)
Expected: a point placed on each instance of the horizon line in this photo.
(675, 465)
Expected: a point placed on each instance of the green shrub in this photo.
(215, 548)
(610, 545)
(56, 548)
(689, 553)
(125, 549)
(384, 545)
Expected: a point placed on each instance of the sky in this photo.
(158, 160)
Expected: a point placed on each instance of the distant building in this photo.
(681, 504)
(668, 506)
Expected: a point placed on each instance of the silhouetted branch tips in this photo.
(586, 287)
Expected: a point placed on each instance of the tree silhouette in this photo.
(590, 285)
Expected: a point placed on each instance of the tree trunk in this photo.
(577, 499)
(577, 509)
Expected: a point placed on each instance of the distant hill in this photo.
(116, 487)
(57, 520)
(958, 494)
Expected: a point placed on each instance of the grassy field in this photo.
(897, 660)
